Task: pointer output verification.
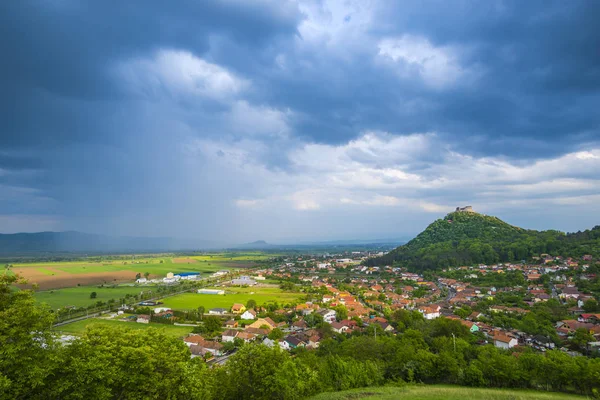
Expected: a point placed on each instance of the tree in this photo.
(93, 295)
(28, 355)
(591, 306)
(276, 334)
(212, 324)
(581, 338)
(138, 276)
(110, 362)
(251, 304)
(146, 275)
(201, 311)
(341, 312)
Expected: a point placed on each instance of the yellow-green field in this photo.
(439, 392)
(261, 295)
(77, 328)
(64, 274)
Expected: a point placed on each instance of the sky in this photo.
(239, 120)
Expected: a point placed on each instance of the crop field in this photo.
(77, 328)
(64, 274)
(80, 296)
(261, 295)
(440, 392)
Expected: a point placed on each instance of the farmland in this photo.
(80, 296)
(115, 269)
(261, 295)
(439, 392)
(77, 328)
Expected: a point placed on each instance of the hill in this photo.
(439, 392)
(466, 238)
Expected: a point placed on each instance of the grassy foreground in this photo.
(440, 392)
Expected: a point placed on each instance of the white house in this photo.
(229, 335)
(143, 319)
(217, 311)
(248, 314)
(430, 312)
(328, 315)
(504, 341)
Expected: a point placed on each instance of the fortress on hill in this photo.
(465, 209)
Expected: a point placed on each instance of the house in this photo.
(229, 335)
(143, 319)
(385, 326)
(217, 311)
(248, 314)
(232, 323)
(471, 325)
(503, 341)
(215, 348)
(246, 336)
(430, 312)
(328, 315)
(266, 323)
(339, 327)
(299, 325)
(193, 340)
(238, 308)
(294, 342)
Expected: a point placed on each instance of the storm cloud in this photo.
(297, 120)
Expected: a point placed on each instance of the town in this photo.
(546, 304)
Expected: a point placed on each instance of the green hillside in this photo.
(439, 392)
(465, 238)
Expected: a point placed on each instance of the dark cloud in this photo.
(200, 141)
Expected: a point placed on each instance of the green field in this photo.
(77, 328)
(154, 265)
(189, 301)
(438, 392)
(80, 296)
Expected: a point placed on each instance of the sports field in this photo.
(77, 328)
(80, 296)
(439, 392)
(261, 295)
(64, 274)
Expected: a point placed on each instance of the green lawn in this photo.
(189, 301)
(439, 392)
(77, 328)
(80, 296)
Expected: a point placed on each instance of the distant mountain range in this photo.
(72, 241)
(79, 242)
(465, 237)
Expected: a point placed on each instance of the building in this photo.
(217, 311)
(243, 281)
(248, 314)
(238, 308)
(328, 315)
(503, 341)
(210, 291)
(143, 319)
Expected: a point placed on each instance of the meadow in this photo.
(441, 392)
(80, 296)
(262, 295)
(77, 328)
